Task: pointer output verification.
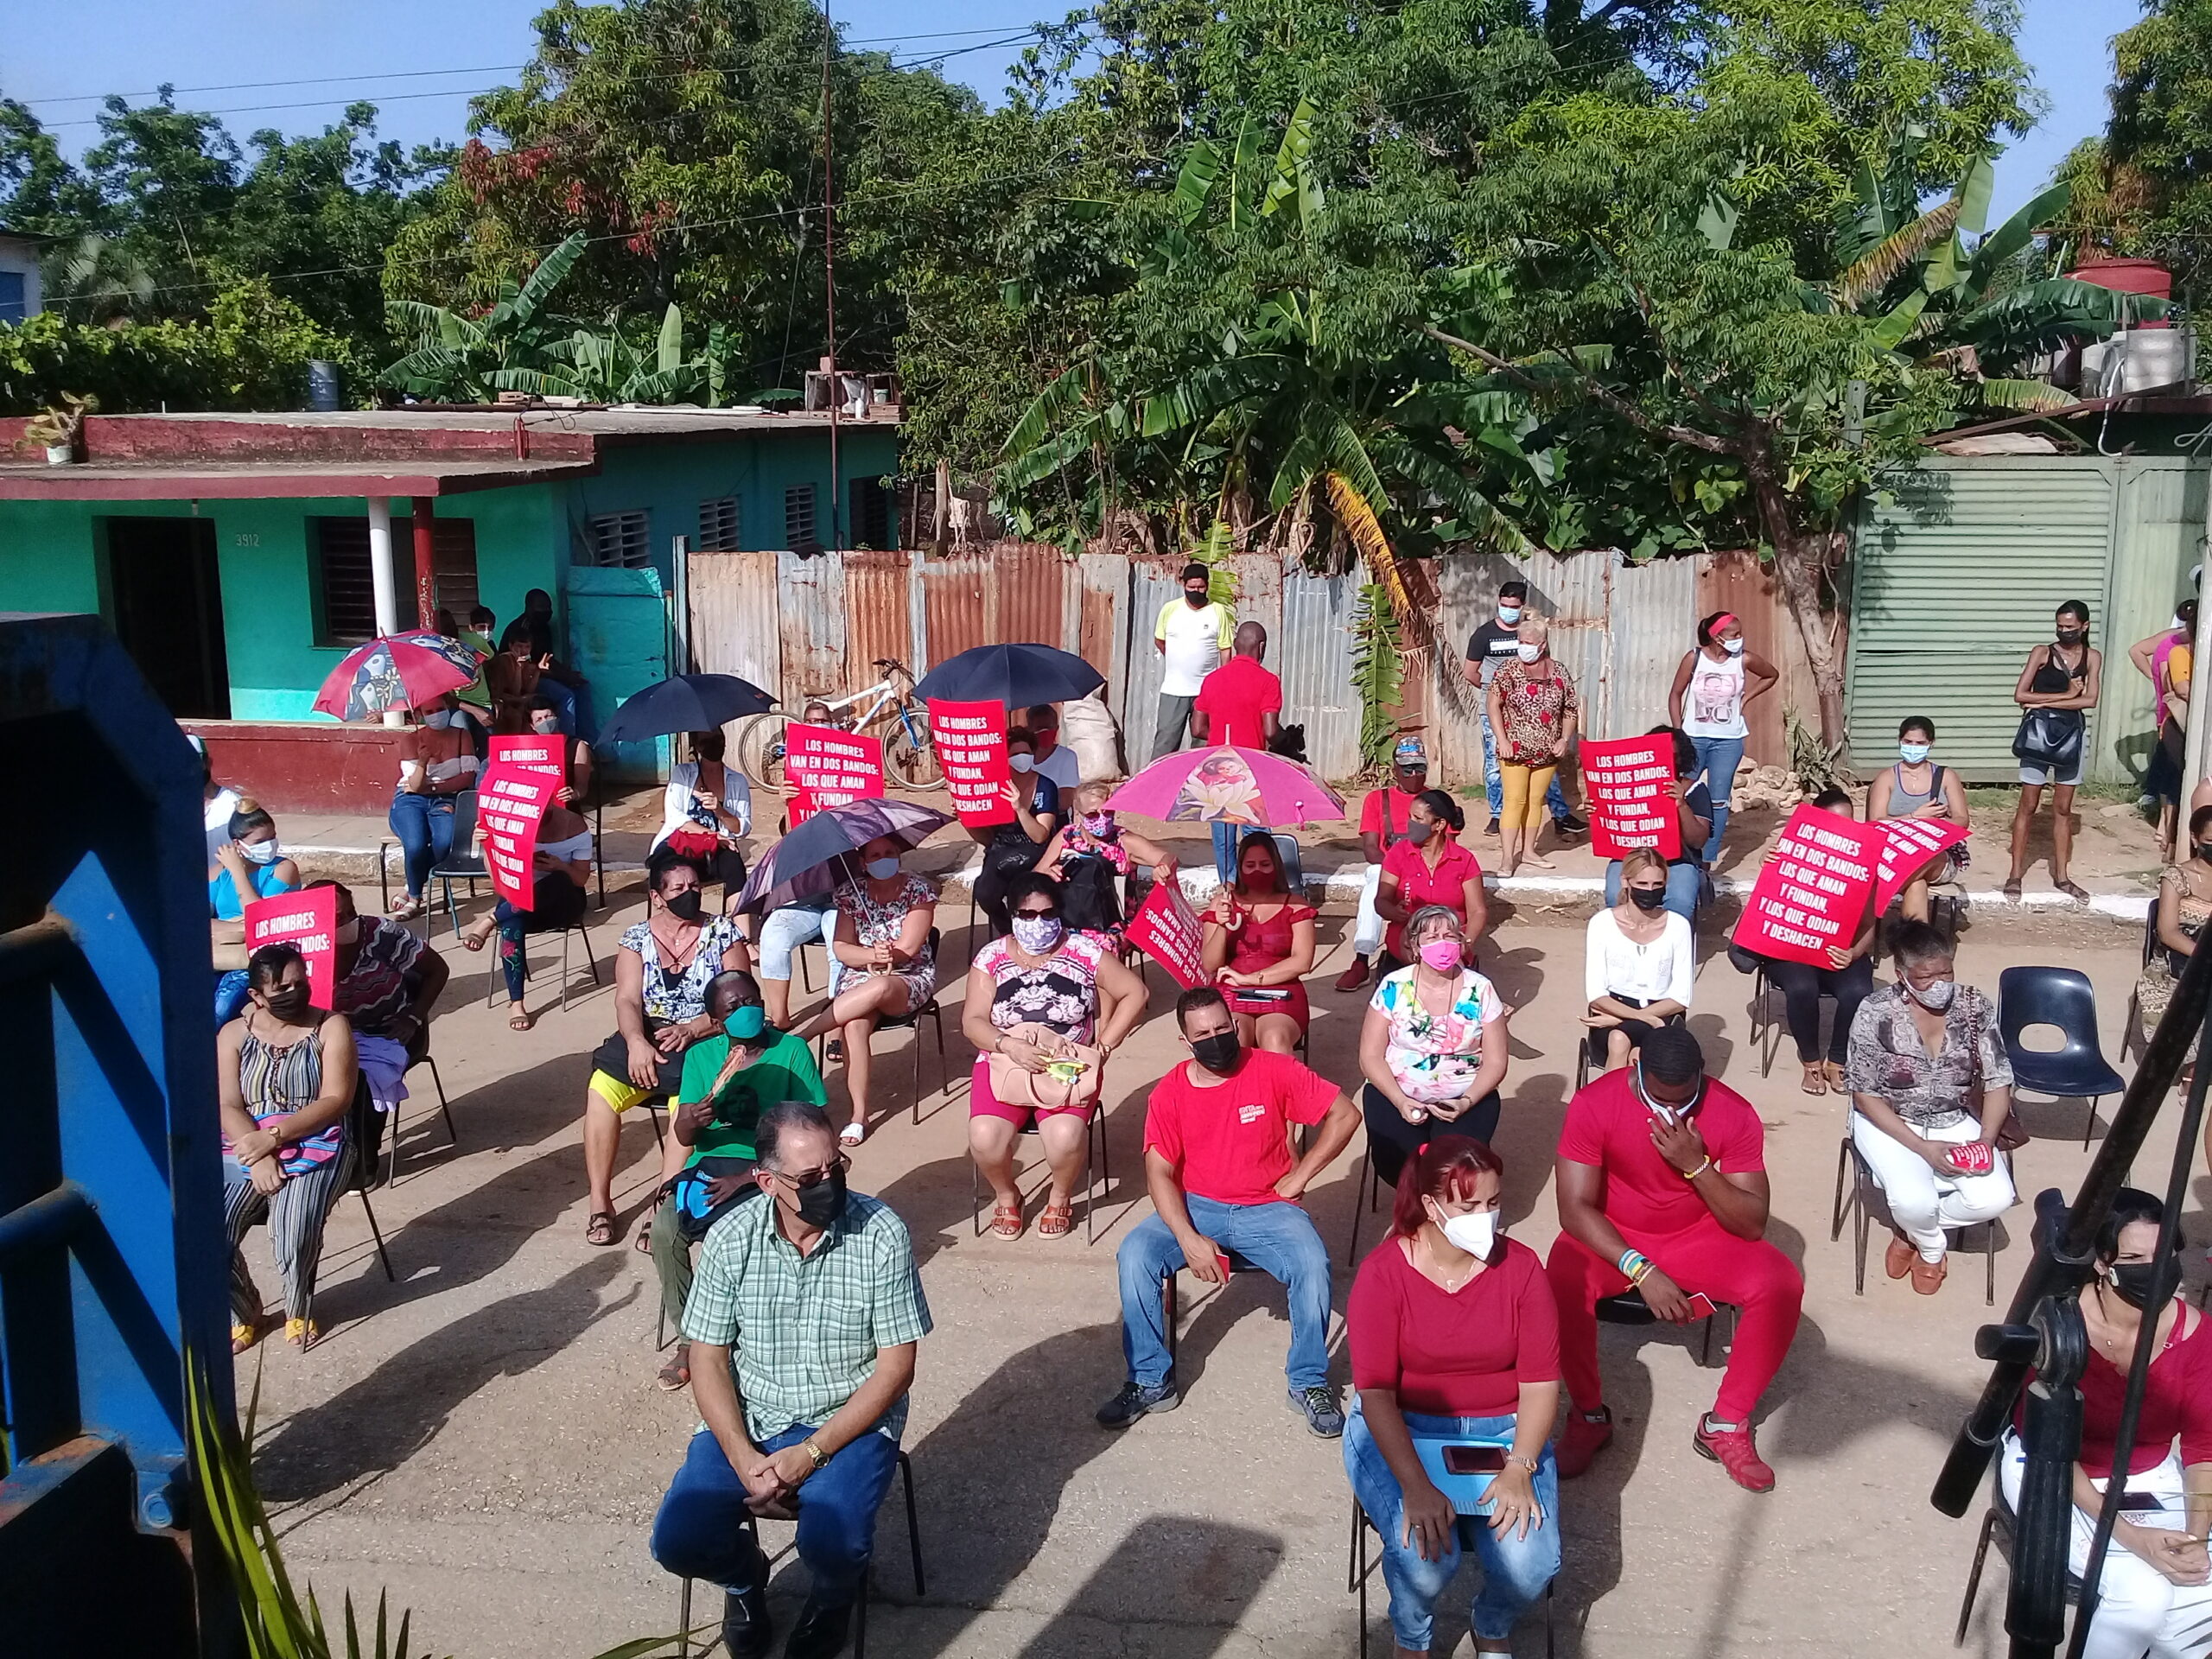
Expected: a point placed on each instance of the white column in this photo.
(387, 596)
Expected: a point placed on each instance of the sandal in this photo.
(472, 940)
(598, 1227)
(1056, 1220)
(1815, 1080)
(2074, 891)
(405, 910)
(853, 1133)
(1838, 1080)
(243, 1336)
(1006, 1221)
(303, 1334)
(2012, 891)
(644, 1244)
(521, 1019)
(676, 1374)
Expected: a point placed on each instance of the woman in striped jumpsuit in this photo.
(287, 1076)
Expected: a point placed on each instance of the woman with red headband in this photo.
(1711, 689)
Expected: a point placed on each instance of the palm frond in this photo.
(1063, 395)
(2036, 396)
(1209, 389)
(1870, 274)
(523, 305)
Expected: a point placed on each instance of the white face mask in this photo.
(1734, 647)
(259, 852)
(1475, 1232)
(1528, 653)
(1935, 998)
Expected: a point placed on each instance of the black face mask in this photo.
(821, 1205)
(1196, 602)
(1647, 898)
(2143, 1285)
(687, 905)
(2072, 635)
(287, 1001)
(1217, 1053)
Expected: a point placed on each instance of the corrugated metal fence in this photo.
(799, 624)
(1957, 573)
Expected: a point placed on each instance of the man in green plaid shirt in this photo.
(804, 1321)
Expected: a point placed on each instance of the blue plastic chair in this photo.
(2061, 997)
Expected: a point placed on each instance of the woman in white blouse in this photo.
(705, 810)
(1637, 962)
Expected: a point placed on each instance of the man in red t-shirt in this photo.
(1662, 1186)
(1382, 819)
(1223, 1178)
(1237, 704)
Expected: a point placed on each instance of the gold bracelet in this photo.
(812, 1450)
(1692, 1175)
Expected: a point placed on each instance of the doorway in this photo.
(165, 600)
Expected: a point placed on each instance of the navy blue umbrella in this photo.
(823, 853)
(1016, 675)
(688, 703)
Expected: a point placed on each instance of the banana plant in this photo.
(460, 358)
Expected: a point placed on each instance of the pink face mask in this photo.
(1442, 954)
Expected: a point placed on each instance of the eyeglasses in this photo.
(1037, 915)
(811, 1178)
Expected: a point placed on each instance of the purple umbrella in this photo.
(822, 854)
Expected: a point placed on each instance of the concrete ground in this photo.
(484, 1437)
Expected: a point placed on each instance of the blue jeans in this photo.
(1494, 783)
(782, 932)
(1718, 759)
(425, 826)
(1277, 1238)
(1514, 1570)
(1683, 883)
(700, 1531)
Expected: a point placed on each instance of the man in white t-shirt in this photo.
(1192, 634)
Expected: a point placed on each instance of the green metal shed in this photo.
(1958, 568)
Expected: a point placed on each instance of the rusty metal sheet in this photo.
(732, 603)
(1101, 631)
(1027, 599)
(811, 623)
(877, 622)
(1153, 583)
(1652, 627)
(1735, 581)
(955, 594)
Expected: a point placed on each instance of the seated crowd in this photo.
(797, 1320)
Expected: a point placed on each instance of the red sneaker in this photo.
(1582, 1439)
(1732, 1449)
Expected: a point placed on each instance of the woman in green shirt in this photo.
(729, 1079)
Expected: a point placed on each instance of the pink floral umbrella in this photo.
(1230, 786)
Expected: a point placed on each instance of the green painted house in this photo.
(237, 555)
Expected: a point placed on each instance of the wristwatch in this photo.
(1528, 1463)
(821, 1457)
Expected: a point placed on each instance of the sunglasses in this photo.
(813, 1177)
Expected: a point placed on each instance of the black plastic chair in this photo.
(1356, 1568)
(1997, 1523)
(860, 1606)
(1766, 1024)
(1855, 1202)
(445, 1110)
(2061, 997)
(932, 1010)
(462, 862)
(1628, 1307)
(577, 930)
(1169, 1302)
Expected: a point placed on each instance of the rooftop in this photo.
(415, 451)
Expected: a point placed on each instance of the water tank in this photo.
(2139, 361)
(323, 385)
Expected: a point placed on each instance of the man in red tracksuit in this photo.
(1662, 1185)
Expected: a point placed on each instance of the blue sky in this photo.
(419, 59)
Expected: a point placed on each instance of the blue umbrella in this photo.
(688, 703)
(1016, 675)
(821, 853)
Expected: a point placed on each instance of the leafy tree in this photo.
(2153, 174)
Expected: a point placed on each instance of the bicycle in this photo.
(910, 757)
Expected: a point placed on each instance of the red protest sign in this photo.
(509, 805)
(307, 919)
(1907, 845)
(1166, 929)
(827, 768)
(1813, 890)
(1631, 782)
(970, 738)
(539, 751)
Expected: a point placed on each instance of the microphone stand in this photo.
(2042, 1329)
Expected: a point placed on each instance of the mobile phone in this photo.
(1474, 1459)
(1221, 1261)
(1700, 1304)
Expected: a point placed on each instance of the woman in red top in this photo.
(1258, 945)
(1429, 866)
(1455, 1340)
(2155, 1593)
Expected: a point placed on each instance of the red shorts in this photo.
(981, 1103)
